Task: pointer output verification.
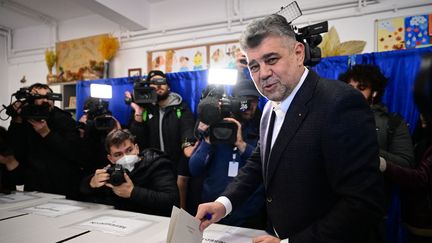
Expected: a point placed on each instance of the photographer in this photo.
(219, 163)
(94, 126)
(167, 126)
(135, 182)
(45, 144)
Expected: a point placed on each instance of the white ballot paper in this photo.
(117, 225)
(52, 209)
(212, 236)
(183, 228)
(16, 197)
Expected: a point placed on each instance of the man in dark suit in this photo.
(317, 155)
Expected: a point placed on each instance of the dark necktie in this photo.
(269, 137)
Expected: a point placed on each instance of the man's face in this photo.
(125, 148)
(43, 92)
(366, 91)
(162, 90)
(250, 112)
(276, 66)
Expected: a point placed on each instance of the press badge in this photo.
(233, 168)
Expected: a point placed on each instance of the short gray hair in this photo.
(258, 30)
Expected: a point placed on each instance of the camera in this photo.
(214, 106)
(28, 109)
(116, 173)
(142, 92)
(311, 38)
(99, 116)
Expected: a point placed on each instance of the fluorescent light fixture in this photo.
(101, 91)
(222, 76)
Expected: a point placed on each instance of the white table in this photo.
(38, 228)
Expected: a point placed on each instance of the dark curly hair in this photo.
(367, 76)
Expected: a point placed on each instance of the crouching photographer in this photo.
(45, 142)
(133, 181)
(228, 132)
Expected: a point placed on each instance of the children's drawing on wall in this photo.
(158, 61)
(217, 57)
(416, 31)
(198, 61)
(189, 59)
(391, 33)
(184, 64)
(224, 55)
(404, 32)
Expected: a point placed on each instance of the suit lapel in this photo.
(294, 117)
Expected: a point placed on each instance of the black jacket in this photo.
(177, 127)
(393, 137)
(322, 181)
(47, 164)
(155, 190)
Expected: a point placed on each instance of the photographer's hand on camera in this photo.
(239, 143)
(99, 179)
(125, 189)
(241, 61)
(138, 109)
(40, 126)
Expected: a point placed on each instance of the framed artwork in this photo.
(76, 56)
(192, 58)
(134, 72)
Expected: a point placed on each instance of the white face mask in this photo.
(128, 161)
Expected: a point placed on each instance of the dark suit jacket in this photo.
(323, 183)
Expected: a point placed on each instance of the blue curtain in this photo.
(400, 67)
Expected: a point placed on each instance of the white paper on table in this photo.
(224, 237)
(16, 197)
(52, 209)
(183, 227)
(121, 226)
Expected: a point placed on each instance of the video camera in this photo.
(116, 173)
(214, 106)
(142, 92)
(311, 38)
(99, 115)
(29, 110)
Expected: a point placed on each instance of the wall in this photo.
(218, 24)
(4, 92)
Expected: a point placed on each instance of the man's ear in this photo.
(299, 51)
